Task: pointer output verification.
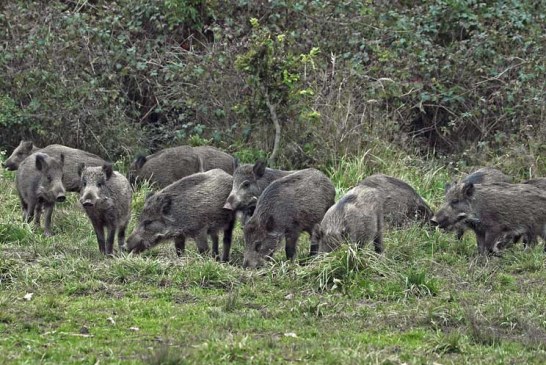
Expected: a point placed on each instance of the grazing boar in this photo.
(39, 184)
(25, 149)
(249, 181)
(171, 164)
(106, 198)
(495, 212)
(288, 206)
(401, 203)
(73, 157)
(484, 175)
(190, 207)
(357, 218)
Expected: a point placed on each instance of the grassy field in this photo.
(428, 299)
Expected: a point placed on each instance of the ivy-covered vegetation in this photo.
(442, 77)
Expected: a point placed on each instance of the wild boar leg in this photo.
(214, 238)
(48, 214)
(180, 245)
(378, 242)
(110, 239)
(202, 243)
(121, 236)
(291, 241)
(228, 234)
(99, 232)
(37, 214)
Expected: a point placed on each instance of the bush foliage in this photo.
(448, 77)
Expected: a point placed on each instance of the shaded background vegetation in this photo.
(453, 79)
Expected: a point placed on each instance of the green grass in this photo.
(428, 298)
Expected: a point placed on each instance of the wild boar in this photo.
(357, 218)
(190, 207)
(495, 212)
(171, 164)
(73, 157)
(288, 206)
(25, 149)
(106, 198)
(401, 203)
(249, 181)
(484, 175)
(39, 184)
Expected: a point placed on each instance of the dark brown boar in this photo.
(495, 212)
(287, 207)
(171, 164)
(39, 184)
(357, 217)
(249, 181)
(190, 207)
(106, 198)
(401, 203)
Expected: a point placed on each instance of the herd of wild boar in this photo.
(200, 190)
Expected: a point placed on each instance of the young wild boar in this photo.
(288, 206)
(106, 198)
(39, 184)
(25, 149)
(357, 218)
(249, 181)
(495, 212)
(171, 164)
(190, 207)
(401, 203)
(484, 175)
(73, 157)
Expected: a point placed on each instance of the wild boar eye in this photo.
(245, 184)
(84, 183)
(454, 202)
(49, 178)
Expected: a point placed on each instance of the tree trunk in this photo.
(273, 111)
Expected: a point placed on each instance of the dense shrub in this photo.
(459, 78)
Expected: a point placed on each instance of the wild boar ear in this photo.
(81, 167)
(41, 164)
(270, 224)
(235, 163)
(468, 190)
(27, 145)
(166, 205)
(62, 159)
(259, 169)
(140, 161)
(108, 170)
